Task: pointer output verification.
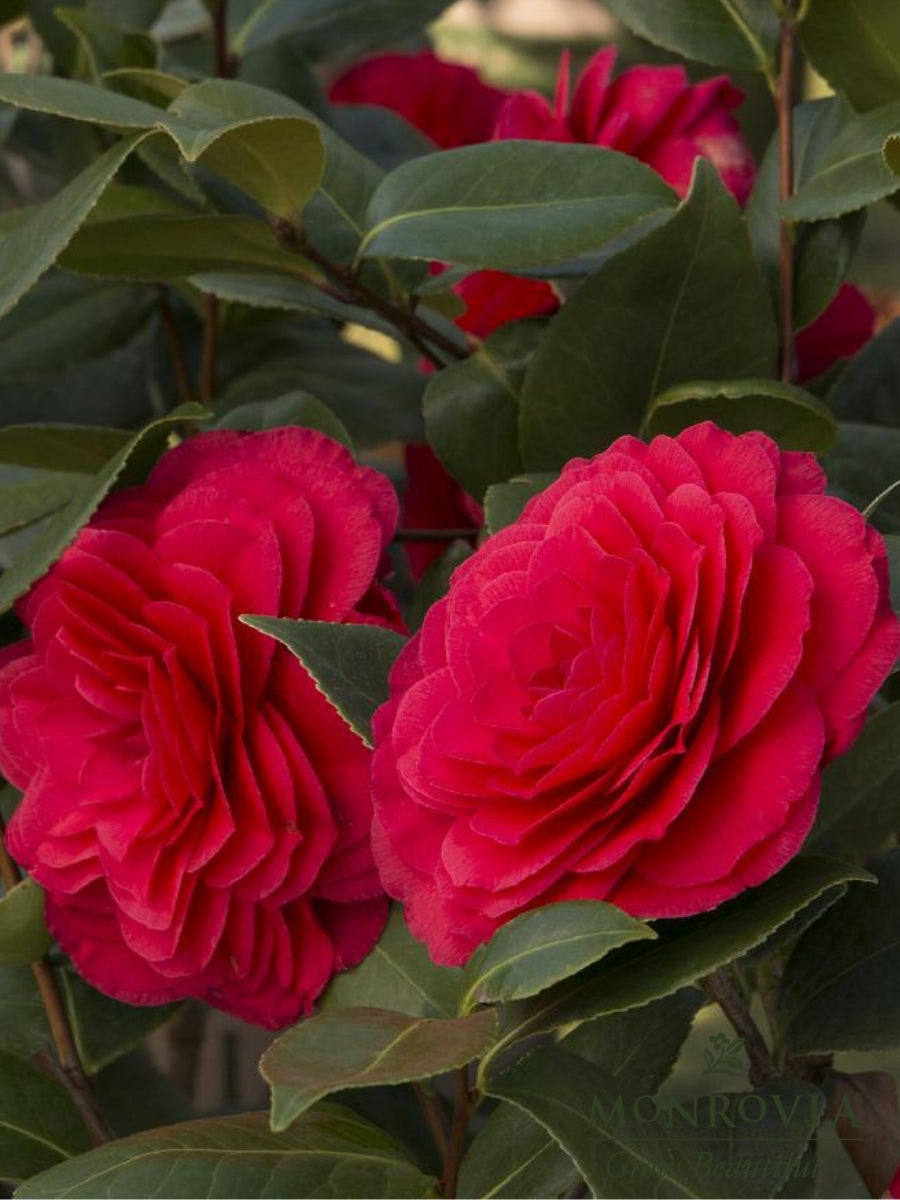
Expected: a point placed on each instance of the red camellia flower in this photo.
(652, 113)
(629, 694)
(196, 811)
(448, 102)
(843, 329)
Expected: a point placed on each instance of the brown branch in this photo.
(176, 349)
(785, 108)
(435, 1118)
(225, 64)
(67, 1067)
(207, 385)
(414, 328)
(461, 1111)
(721, 987)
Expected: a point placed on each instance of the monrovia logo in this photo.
(718, 1111)
(722, 1055)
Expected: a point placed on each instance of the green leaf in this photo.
(796, 419)
(24, 937)
(471, 409)
(852, 173)
(860, 805)
(31, 500)
(39, 1125)
(640, 1045)
(704, 314)
(513, 1156)
(290, 295)
(684, 952)
(329, 1152)
(345, 27)
(511, 205)
(157, 248)
(868, 387)
(64, 321)
(841, 985)
(539, 948)
(105, 1029)
(739, 34)
(61, 529)
(398, 975)
(349, 664)
(866, 461)
(853, 43)
(892, 544)
(622, 1153)
(36, 243)
(81, 448)
(435, 583)
(106, 45)
(365, 1047)
(78, 101)
(294, 408)
(505, 502)
(23, 1023)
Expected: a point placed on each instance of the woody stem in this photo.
(721, 987)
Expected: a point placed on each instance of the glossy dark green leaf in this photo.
(106, 1029)
(631, 1146)
(346, 27)
(868, 387)
(61, 529)
(539, 948)
(36, 243)
(860, 806)
(841, 985)
(64, 320)
(105, 44)
(436, 581)
(39, 1125)
(738, 34)
(349, 664)
(511, 204)
(514, 1156)
(504, 502)
(365, 1047)
(399, 975)
(81, 448)
(853, 172)
(23, 1025)
(472, 409)
(328, 1152)
(33, 499)
(157, 248)
(853, 43)
(864, 462)
(24, 937)
(640, 1045)
(289, 295)
(683, 954)
(294, 408)
(704, 314)
(794, 418)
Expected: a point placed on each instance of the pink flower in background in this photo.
(652, 113)
(448, 102)
(840, 332)
(196, 811)
(629, 694)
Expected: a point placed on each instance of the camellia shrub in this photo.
(446, 541)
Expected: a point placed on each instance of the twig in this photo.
(786, 184)
(176, 348)
(67, 1068)
(210, 347)
(435, 1119)
(723, 989)
(224, 62)
(461, 1110)
(423, 336)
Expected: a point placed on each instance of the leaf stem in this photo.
(67, 1068)
(176, 349)
(785, 110)
(721, 987)
(435, 1118)
(210, 348)
(461, 1111)
(414, 328)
